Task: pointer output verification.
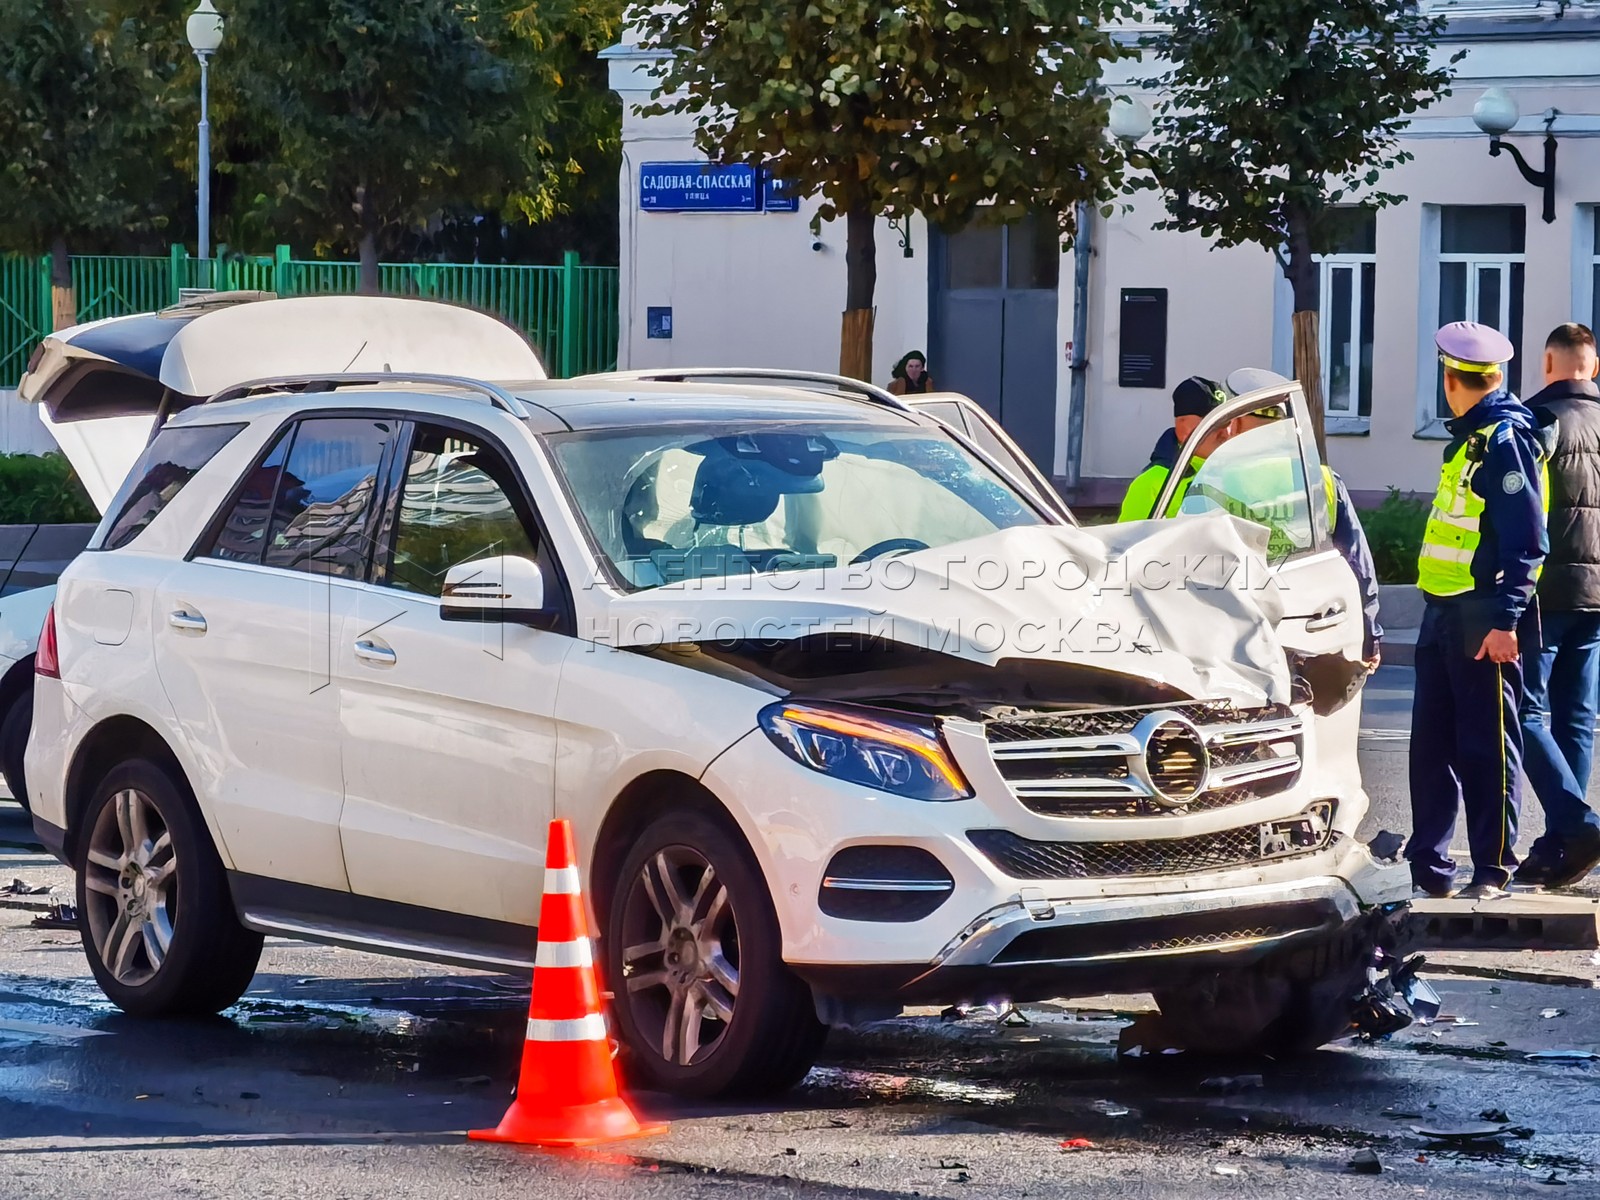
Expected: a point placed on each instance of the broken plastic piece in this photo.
(1110, 1108)
(1366, 1162)
(1549, 1014)
(1224, 1169)
(1077, 1144)
(1465, 1131)
(1497, 1115)
(1564, 1056)
(1386, 846)
(1231, 1083)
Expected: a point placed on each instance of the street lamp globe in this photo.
(1130, 120)
(1495, 112)
(204, 28)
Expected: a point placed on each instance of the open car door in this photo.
(966, 416)
(1272, 474)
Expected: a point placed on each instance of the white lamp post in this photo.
(1130, 120)
(205, 35)
(1496, 113)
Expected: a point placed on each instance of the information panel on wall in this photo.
(699, 187)
(1142, 347)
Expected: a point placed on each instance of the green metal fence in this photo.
(569, 312)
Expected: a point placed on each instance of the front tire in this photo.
(704, 1003)
(14, 726)
(156, 916)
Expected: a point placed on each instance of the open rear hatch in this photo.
(102, 386)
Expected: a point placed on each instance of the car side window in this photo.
(308, 505)
(456, 504)
(163, 470)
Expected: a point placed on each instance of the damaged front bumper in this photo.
(1038, 947)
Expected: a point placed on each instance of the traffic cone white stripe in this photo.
(577, 953)
(561, 881)
(591, 1028)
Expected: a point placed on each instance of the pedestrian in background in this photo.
(1481, 552)
(910, 375)
(1562, 674)
(1192, 400)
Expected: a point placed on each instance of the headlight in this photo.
(905, 757)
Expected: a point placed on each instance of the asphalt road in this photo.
(342, 1074)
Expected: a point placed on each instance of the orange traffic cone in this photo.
(567, 1094)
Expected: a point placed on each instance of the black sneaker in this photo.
(1579, 856)
(1481, 891)
(1536, 871)
(1433, 889)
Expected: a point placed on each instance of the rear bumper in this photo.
(1037, 948)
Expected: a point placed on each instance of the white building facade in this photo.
(993, 308)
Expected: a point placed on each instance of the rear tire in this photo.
(154, 908)
(704, 1003)
(14, 726)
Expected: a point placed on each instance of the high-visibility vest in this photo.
(1139, 503)
(1444, 567)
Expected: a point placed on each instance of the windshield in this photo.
(668, 504)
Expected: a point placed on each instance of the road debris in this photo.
(1550, 1014)
(1077, 1143)
(1395, 996)
(1366, 1162)
(61, 915)
(18, 887)
(1464, 1131)
(1563, 1056)
(1227, 1084)
(1110, 1108)
(1224, 1169)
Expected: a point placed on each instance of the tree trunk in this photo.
(369, 282)
(63, 297)
(861, 274)
(1306, 283)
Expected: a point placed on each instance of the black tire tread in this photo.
(14, 726)
(787, 1034)
(220, 960)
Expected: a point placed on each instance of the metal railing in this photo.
(569, 311)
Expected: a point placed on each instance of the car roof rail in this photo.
(811, 379)
(493, 393)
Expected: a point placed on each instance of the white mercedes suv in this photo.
(845, 715)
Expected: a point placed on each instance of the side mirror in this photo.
(504, 589)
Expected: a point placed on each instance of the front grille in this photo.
(1023, 858)
(1127, 762)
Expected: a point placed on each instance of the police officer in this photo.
(1481, 552)
(1345, 527)
(1191, 401)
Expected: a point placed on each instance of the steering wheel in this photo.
(884, 547)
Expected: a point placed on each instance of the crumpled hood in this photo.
(1189, 603)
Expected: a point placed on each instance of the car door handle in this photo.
(187, 621)
(374, 652)
(1333, 615)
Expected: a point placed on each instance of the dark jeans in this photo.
(1557, 715)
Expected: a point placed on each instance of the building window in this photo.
(1594, 270)
(1481, 268)
(1348, 267)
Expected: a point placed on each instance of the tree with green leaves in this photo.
(81, 121)
(1274, 113)
(380, 116)
(986, 110)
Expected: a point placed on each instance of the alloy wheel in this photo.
(680, 962)
(131, 887)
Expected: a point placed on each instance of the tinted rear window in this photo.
(163, 470)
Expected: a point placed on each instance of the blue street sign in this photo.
(699, 187)
(658, 322)
(779, 196)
